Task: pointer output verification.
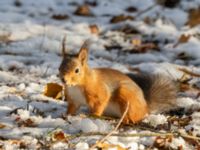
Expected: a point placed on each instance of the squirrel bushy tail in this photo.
(159, 91)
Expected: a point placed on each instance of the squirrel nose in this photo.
(63, 80)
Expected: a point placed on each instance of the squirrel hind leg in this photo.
(137, 105)
(134, 114)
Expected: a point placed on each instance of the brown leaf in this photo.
(94, 29)
(83, 10)
(59, 17)
(120, 18)
(59, 136)
(26, 123)
(182, 39)
(194, 17)
(143, 48)
(162, 142)
(53, 90)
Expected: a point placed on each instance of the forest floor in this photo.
(160, 36)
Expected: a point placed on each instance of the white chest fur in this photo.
(77, 95)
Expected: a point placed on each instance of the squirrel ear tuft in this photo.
(83, 52)
(63, 46)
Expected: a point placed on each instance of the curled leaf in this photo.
(53, 90)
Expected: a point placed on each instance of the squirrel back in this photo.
(159, 91)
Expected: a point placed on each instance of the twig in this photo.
(119, 134)
(189, 72)
(145, 10)
(152, 134)
(115, 129)
(187, 136)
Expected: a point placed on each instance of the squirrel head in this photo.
(73, 66)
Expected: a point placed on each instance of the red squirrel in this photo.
(107, 91)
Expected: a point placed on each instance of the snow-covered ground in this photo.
(156, 38)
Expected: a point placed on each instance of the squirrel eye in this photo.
(77, 70)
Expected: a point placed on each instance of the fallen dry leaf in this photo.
(162, 142)
(53, 90)
(183, 39)
(26, 123)
(194, 17)
(120, 18)
(59, 136)
(83, 10)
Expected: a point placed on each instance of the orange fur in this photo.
(106, 91)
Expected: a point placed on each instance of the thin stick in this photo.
(115, 129)
(187, 136)
(145, 10)
(189, 72)
(119, 134)
(152, 134)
